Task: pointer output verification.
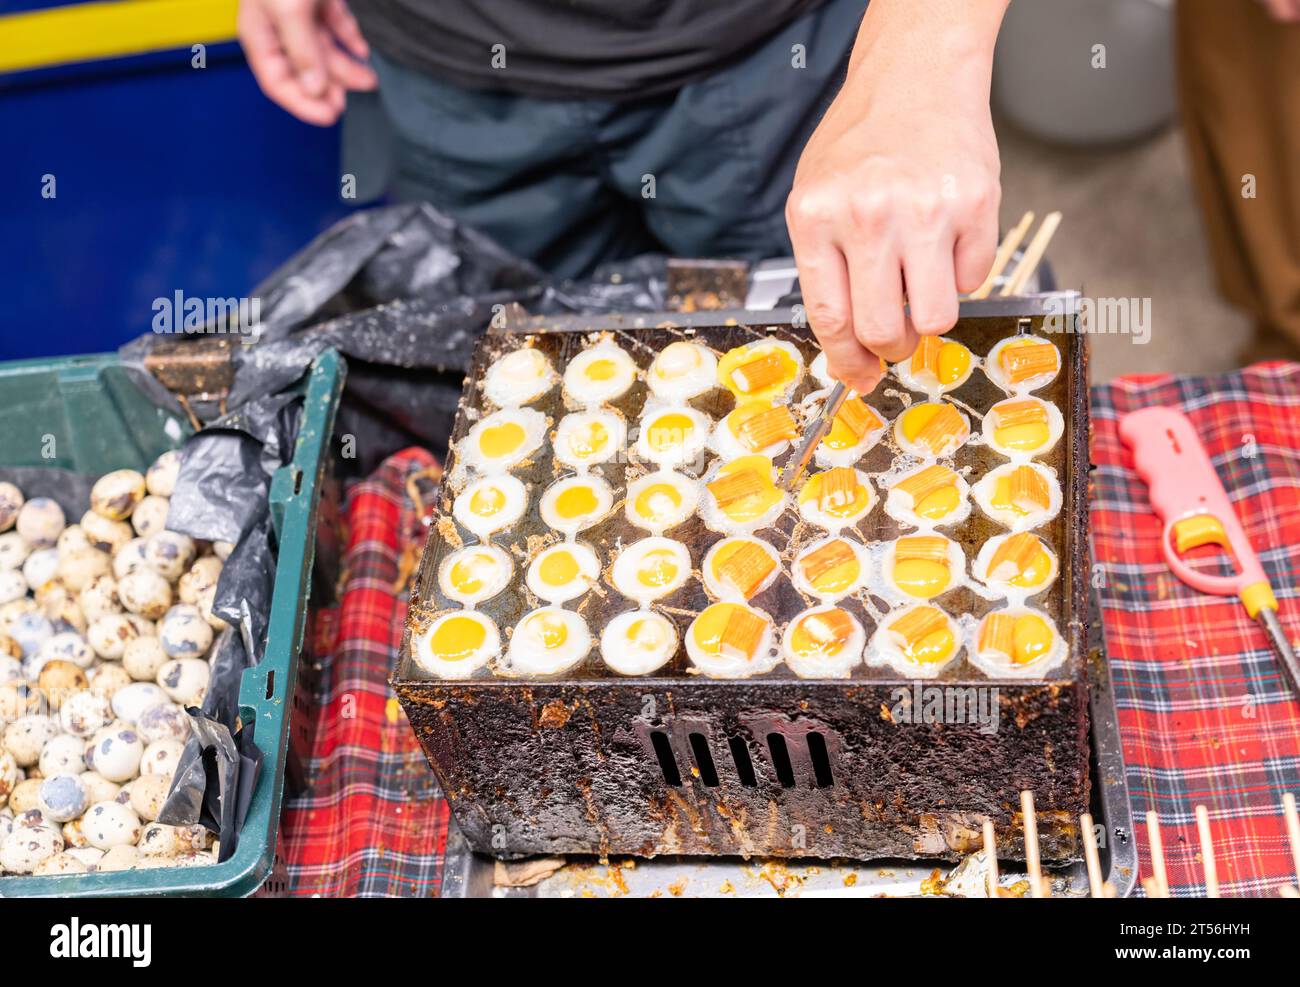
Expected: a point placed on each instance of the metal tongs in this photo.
(816, 432)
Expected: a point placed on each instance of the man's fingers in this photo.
(823, 279)
(876, 287)
(301, 38)
(931, 288)
(344, 27)
(272, 70)
(347, 72)
(975, 250)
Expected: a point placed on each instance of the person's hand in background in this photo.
(896, 195)
(1286, 11)
(304, 54)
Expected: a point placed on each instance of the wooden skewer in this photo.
(1033, 255)
(991, 858)
(1005, 249)
(1207, 852)
(1032, 863)
(1292, 829)
(1159, 876)
(1095, 884)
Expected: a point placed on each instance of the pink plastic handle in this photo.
(1182, 482)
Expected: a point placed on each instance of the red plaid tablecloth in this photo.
(1204, 713)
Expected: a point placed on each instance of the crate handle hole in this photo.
(744, 764)
(297, 481)
(781, 760)
(821, 760)
(667, 762)
(270, 684)
(704, 760)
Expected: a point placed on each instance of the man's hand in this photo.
(304, 54)
(1286, 11)
(896, 195)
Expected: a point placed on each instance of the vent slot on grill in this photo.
(704, 760)
(781, 760)
(821, 760)
(744, 764)
(667, 761)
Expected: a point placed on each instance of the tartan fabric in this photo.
(373, 821)
(1205, 713)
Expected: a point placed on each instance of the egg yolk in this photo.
(457, 638)
(757, 504)
(677, 360)
(839, 578)
(1032, 637)
(467, 574)
(710, 625)
(1024, 438)
(558, 569)
(939, 503)
(741, 357)
(549, 630)
(657, 568)
(647, 635)
(668, 432)
(812, 492)
(658, 502)
(916, 418)
(601, 369)
(1039, 568)
(1001, 499)
(802, 642)
(931, 649)
(954, 361)
(486, 501)
(840, 436)
(575, 502)
(922, 578)
(501, 440)
(588, 440)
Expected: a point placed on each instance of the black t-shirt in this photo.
(571, 48)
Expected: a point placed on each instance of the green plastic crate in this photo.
(85, 414)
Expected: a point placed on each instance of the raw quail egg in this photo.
(548, 641)
(150, 515)
(767, 369)
(118, 858)
(731, 641)
(1017, 565)
(682, 371)
(107, 677)
(128, 558)
(518, 378)
(661, 501)
(61, 863)
(148, 796)
(739, 568)
(108, 635)
(638, 642)
(1017, 643)
(162, 721)
(923, 566)
(854, 431)
(931, 429)
(82, 713)
(99, 598)
(742, 496)
(169, 553)
(456, 645)
(110, 824)
(575, 503)
(586, 438)
(1020, 364)
(13, 585)
(490, 504)
(144, 592)
(650, 569)
(672, 435)
(11, 502)
(68, 646)
(936, 366)
(131, 701)
(824, 642)
(502, 439)
(473, 574)
(25, 736)
(116, 494)
(13, 550)
(600, 373)
(160, 479)
(836, 498)
(41, 566)
(24, 850)
(1023, 426)
(72, 537)
(1019, 496)
(79, 568)
(142, 657)
(184, 633)
(61, 678)
(162, 757)
(917, 641)
(929, 496)
(40, 521)
(562, 572)
(117, 754)
(62, 755)
(203, 575)
(104, 533)
(831, 569)
(185, 680)
(754, 427)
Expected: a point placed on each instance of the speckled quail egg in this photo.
(13, 585)
(518, 378)
(25, 849)
(78, 569)
(159, 840)
(31, 630)
(207, 604)
(107, 678)
(104, 533)
(10, 667)
(123, 856)
(163, 721)
(222, 549)
(13, 550)
(651, 568)
(457, 644)
(40, 522)
(150, 516)
(473, 574)
(108, 635)
(202, 575)
(118, 753)
(111, 824)
(575, 503)
(62, 755)
(144, 592)
(20, 698)
(490, 504)
(824, 642)
(60, 863)
(11, 502)
(162, 757)
(184, 633)
(68, 646)
(63, 797)
(129, 558)
(638, 642)
(131, 701)
(71, 538)
(10, 613)
(160, 478)
(6, 823)
(87, 855)
(116, 494)
(548, 641)
(83, 713)
(672, 435)
(40, 567)
(731, 640)
(25, 737)
(59, 679)
(599, 373)
(99, 788)
(148, 795)
(9, 776)
(169, 553)
(502, 440)
(25, 798)
(73, 834)
(99, 598)
(562, 572)
(682, 371)
(185, 680)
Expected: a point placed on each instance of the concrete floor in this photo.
(1130, 230)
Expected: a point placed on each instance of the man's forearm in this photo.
(957, 35)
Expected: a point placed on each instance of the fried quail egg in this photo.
(548, 641)
(575, 503)
(672, 435)
(754, 427)
(767, 369)
(1020, 364)
(599, 373)
(1019, 495)
(741, 496)
(931, 429)
(661, 501)
(562, 572)
(854, 431)
(831, 569)
(502, 439)
(682, 371)
(824, 642)
(456, 645)
(473, 574)
(922, 567)
(820, 370)
(1023, 426)
(731, 641)
(650, 569)
(520, 377)
(936, 366)
(489, 504)
(1017, 642)
(587, 438)
(928, 496)
(638, 642)
(836, 498)
(739, 568)
(1017, 565)
(917, 641)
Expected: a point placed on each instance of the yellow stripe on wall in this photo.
(88, 31)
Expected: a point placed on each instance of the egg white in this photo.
(903, 371)
(836, 666)
(585, 391)
(820, 370)
(994, 666)
(421, 647)
(826, 457)
(719, 666)
(993, 369)
(805, 586)
(896, 594)
(628, 657)
(717, 520)
(489, 564)
(687, 451)
(527, 654)
(516, 501)
(727, 444)
(898, 507)
(725, 591)
(983, 491)
(682, 371)
(588, 573)
(1055, 429)
(573, 426)
(1016, 594)
(690, 496)
(470, 452)
(520, 377)
(920, 450)
(811, 510)
(884, 650)
(623, 574)
(571, 526)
